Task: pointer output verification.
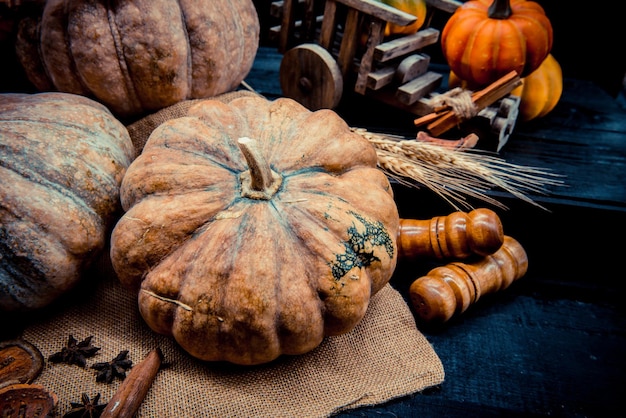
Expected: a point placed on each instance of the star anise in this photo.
(75, 352)
(88, 408)
(107, 371)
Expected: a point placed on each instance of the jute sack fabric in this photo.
(383, 358)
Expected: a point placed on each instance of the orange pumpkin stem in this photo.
(259, 182)
(500, 9)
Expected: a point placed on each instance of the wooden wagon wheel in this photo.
(311, 76)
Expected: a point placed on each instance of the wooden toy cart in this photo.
(332, 45)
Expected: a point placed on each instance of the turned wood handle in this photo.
(449, 290)
(457, 235)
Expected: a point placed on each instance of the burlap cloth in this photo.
(384, 357)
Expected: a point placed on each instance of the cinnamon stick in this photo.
(126, 401)
(445, 120)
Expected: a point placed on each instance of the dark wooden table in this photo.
(554, 343)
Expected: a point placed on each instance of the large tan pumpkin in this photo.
(243, 262)
(142, 55)
(62, 159)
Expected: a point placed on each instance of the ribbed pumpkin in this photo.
(415, 7)
(485, 39)
(541, 90)
(142, 55)
(246, 249)
(62, 159)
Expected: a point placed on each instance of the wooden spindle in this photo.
(449, 290)
(457, 235)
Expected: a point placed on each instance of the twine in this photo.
(459, 100)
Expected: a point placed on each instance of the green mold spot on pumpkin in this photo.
(362, 246)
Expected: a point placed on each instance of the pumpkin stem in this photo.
(259, 182)
(500, 9)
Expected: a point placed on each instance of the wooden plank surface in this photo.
(583, 139)
(553, 343)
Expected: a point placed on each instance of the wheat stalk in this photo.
(455, 175)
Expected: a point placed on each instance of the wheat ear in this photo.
(455, 174)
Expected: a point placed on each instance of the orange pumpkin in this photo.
(483, 40)
(541, 90)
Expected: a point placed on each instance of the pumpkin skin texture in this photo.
(243, 279)
(541, 90)
(62, 159)
(143, 55)
(480, 49)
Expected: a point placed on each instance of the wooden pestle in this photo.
(451, 289)
(457, 235)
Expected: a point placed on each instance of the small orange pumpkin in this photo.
(483, 40)
(541, 90)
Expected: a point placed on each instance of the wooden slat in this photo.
(406, 44)
(287, 22)
(381, 11)
(303, 14)
(347, 50)
(380, 78)
(377, 29)
(327, 33)
(416, 89)
(410, 68)
(310, 21)
(449, 6)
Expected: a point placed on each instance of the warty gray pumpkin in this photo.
(142, 55)
(62, 159)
